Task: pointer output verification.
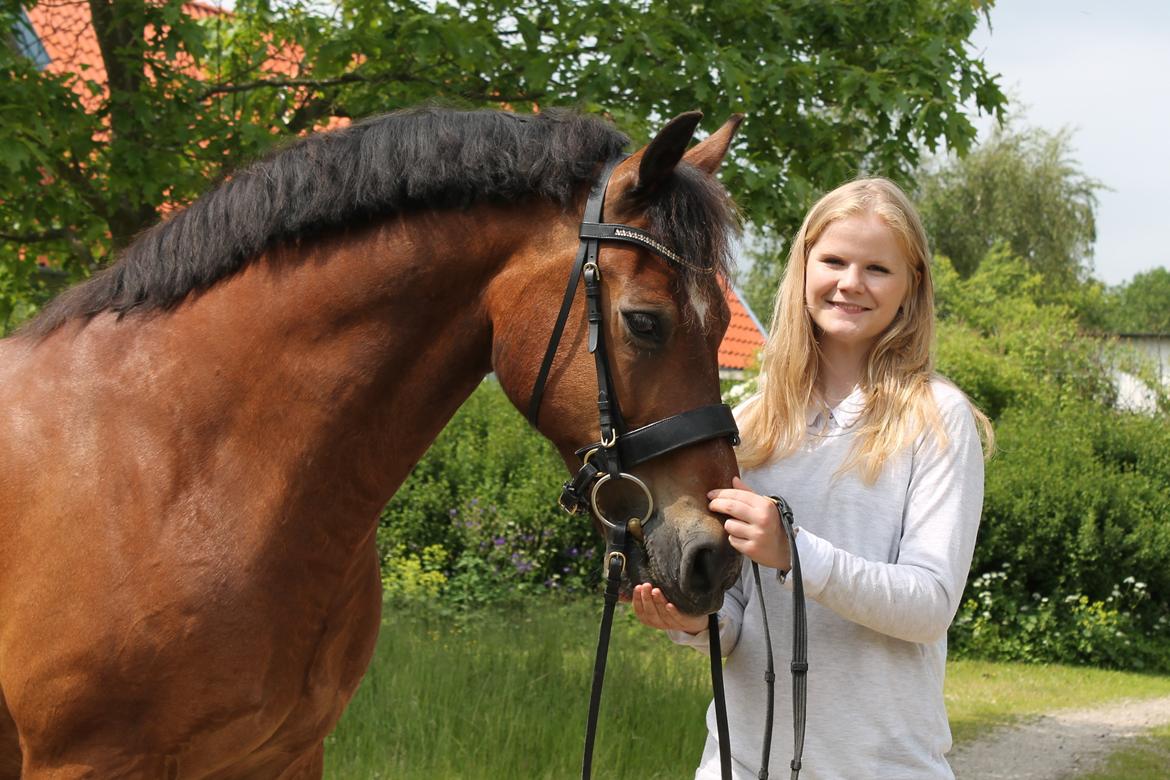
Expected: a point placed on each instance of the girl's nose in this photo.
(851, 278)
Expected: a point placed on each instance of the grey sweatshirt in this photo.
(884, 569)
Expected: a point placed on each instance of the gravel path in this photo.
(1059, 745)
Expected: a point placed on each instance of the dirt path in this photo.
(1059, 745)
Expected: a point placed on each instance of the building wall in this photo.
(1152, 350)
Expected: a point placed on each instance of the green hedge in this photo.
(478, 521)
(1077, 508)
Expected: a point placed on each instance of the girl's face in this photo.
(857, 276)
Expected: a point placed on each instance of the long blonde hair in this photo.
(899, 404)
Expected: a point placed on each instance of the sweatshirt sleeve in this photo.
(730, 619)
(916, 597)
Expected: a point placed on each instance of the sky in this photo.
(1102, 69)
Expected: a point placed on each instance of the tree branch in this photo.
(348, 78)
(355, 78)
(309, 113)
(34, 238)
(70, 172)
(80, 250)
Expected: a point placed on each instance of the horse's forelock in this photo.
(694, 215)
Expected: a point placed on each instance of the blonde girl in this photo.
(880, 459)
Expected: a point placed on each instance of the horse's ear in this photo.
(660, 156)
(708, 153)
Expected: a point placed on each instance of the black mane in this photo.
(427, 158)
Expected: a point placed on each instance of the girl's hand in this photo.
(652, 609)
(753, 524)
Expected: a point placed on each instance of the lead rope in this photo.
(721, 728)
(615, 562)
(615, 559)
(769, 677)
(799, 663)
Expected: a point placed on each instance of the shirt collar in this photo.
(843, 415)
(849, 410)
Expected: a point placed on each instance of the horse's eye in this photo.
(643, 325)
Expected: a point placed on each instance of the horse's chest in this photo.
(228, 681)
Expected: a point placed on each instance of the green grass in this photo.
(504, 694)
(1147, 759)
(981, 695)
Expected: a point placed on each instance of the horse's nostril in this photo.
(699, 568)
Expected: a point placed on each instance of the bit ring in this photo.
(623, 475)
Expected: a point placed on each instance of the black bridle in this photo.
(621, 449)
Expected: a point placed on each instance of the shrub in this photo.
(411, 577)
(485, 495)
(1001, 620)
(1078, 495)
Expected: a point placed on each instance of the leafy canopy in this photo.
(830, 88)
(1141, 305)
(1022, 188)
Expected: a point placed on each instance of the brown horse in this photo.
(196, 443)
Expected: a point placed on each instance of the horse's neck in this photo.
(386, 334)
(335, 364)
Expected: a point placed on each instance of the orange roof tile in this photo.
(66, 32)
(744, 337)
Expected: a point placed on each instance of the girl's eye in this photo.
(881, 269)
(642, 324)
(833, 261)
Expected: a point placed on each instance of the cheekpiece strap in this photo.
(592, 214)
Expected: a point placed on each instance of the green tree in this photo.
(1141, 305)
(1022, 188)
(829, 87)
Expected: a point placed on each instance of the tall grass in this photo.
(506, 696)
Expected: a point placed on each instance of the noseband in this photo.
(620, 449)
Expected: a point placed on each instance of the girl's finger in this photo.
(731, 507)
(737, 529)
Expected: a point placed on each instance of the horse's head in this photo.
(662, 321)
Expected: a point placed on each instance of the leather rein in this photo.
(621, 448)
